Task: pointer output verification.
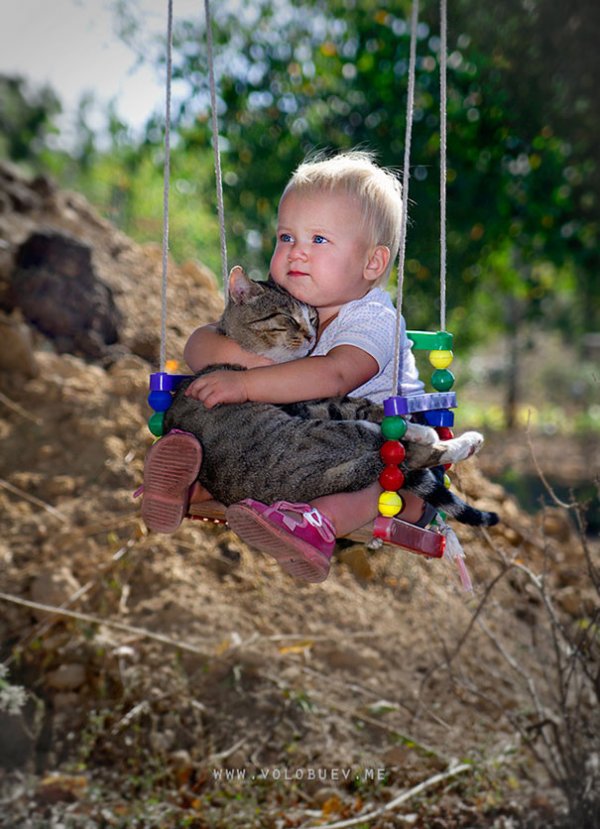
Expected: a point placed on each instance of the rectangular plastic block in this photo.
(413, 403)
(439, 417)
(415, 539)
(430, 340)
(162, 381)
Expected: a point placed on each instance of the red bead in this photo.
(447, 466)
(392, 451)
(445, 433)
(391, 478)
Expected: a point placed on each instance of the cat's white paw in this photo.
(461, 448)
(417, 433)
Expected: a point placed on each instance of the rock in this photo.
(61, 788)
(146, 344)
(65, 701)
(56, 287)
(16, 355)
(67, 677)
(16, 745)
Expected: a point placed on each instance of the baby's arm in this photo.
(339, 372)
(207, 346)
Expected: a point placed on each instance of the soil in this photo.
(197, 685)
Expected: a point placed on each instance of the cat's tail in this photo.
(424, 483)
(455, 507)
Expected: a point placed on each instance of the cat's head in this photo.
(265, 319)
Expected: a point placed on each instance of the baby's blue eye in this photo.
(319, 240)
(285, 237)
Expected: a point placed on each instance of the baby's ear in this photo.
(378, 262)
(241, 287)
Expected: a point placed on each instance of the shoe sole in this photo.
(298, 558)
(171, 467)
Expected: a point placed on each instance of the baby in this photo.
(338, 234)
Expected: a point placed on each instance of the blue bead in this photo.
(159, 400)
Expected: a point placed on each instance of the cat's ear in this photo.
(241, 287)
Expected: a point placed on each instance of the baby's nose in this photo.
(297, 251)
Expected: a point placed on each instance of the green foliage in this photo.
(26, 118)
(333, 75)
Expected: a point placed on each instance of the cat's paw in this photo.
(417, 433)
(473, 442)
(461, 448)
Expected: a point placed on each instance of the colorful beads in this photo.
(392, 454)
(160, 401)
(156, 423)
(393, 427)
(444, 433)
(390, 504)
(392, 451)
(442, 379)
(440, 359)
(447, 481)
(391, 478)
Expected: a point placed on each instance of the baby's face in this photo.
(322, 251)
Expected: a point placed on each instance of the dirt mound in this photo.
(193, 683)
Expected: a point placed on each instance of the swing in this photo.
(434, 407)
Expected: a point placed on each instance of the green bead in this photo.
(156, 423)
(442, 379)
(393, 427)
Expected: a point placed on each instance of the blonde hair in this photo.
(378, 190)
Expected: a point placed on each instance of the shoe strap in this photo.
(310, 515)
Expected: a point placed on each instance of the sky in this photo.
(73, 46)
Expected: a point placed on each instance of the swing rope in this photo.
(398, 355)
(167, 170)
(166, 191)
(443, 156)
(398, 351)
(216, 148)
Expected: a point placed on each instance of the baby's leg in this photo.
(198, 494)
(348, 511)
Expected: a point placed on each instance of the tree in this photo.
(293, 79)
(26, 118)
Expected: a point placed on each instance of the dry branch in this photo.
(398, 801)
(95, 620)
(33, 500)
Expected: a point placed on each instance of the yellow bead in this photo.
(440, 359)
(390, 503)
(447, 481)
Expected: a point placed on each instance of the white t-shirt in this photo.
(369, 323)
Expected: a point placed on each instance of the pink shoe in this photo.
(298, 536)
(171, 468)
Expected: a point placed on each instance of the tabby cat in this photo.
(300, 451)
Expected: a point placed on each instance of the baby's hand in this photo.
(218, 387)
